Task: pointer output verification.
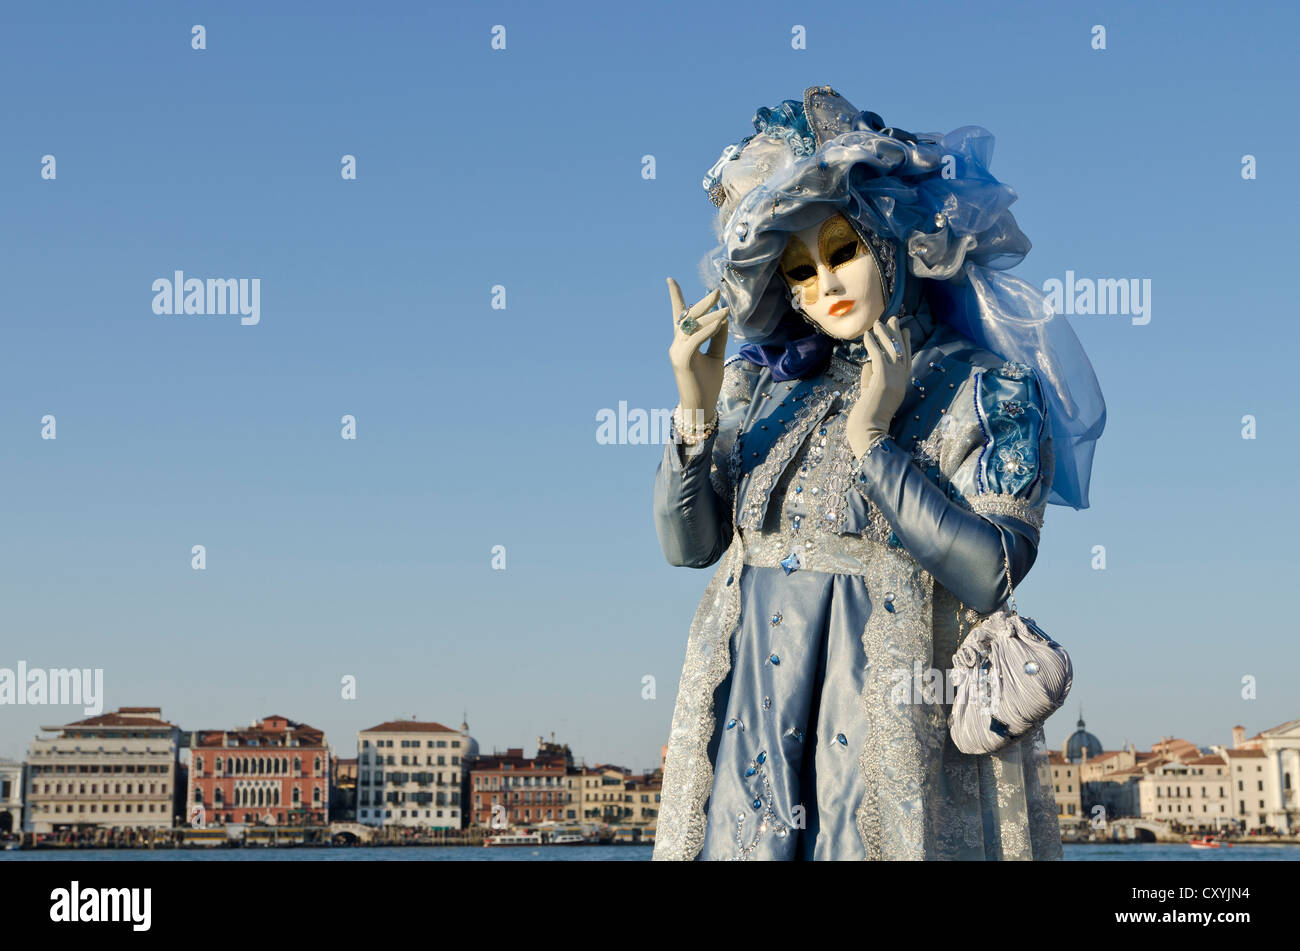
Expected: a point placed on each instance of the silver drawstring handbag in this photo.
(1010, 678)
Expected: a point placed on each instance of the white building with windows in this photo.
(1265, 774)
(413, 774)
(117, 770)
(11, 797)
(1193, 792)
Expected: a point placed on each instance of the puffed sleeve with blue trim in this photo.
(993, 458)
(1006, 472)
(692, 495)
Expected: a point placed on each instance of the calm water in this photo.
(604, 853)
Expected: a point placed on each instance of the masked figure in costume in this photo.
(865, 473)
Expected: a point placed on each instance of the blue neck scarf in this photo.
(796, 359)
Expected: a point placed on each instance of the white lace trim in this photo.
(990, 503)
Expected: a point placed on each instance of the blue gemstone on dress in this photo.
(776, 618)
(730, 578)
(790, 562)
(776, 661)
(823, 431)
(751, 771)
(893, 540)
(889, 602)
(757, 803)
(797, 734)
(767, 703)
(761, 758)
(732, 723)
(798, 489)
(841, 739)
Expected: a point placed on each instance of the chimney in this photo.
(1238, 737)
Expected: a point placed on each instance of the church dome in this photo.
(1081, 742)
(471, 744)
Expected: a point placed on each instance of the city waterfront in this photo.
(131, 785)
(1102, 852)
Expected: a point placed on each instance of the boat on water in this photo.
(1208, 842)
(568, 838)
(514, 838)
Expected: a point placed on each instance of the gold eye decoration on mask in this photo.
(838, 243)
(799, 269)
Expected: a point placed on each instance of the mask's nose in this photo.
(828, 282)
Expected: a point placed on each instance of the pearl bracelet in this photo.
(693, 435)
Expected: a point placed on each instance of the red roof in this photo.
(1259, 753)
(410, 726)
(306, 735)
(489, 764)
(1102, 756)
(116, 719)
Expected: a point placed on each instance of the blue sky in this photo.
(476, 427)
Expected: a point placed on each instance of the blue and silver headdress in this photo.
(929, 210)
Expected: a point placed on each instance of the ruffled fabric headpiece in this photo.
(930, 211)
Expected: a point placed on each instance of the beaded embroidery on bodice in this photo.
(805, 522)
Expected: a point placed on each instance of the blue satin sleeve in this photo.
(996, 495)
(961, 549)
(692, 522)
(692, 498)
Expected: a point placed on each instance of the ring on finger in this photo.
(898, 349)
(686, 323)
